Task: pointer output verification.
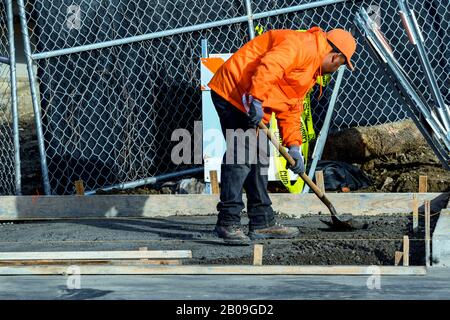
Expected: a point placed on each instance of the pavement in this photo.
(434, 285)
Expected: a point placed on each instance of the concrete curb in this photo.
(441, 240)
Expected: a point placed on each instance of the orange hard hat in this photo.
(344, 42)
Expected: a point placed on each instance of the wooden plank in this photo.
(214, 182)
(79, 187)
(320, 181)
(405, 251)
(97, 255)
(257, 254)
(427, 233)
(18, 208)
(217, 270)
(92, 262)
(398, 257)
(415, 210)
(423, 184)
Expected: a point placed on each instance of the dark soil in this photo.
(29, 158)
(316, 245)
(400, 172)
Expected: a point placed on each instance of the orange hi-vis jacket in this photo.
(278, 68)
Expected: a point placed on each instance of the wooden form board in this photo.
(147, 206)
(216, 270)
(92, 262)
(96, 255)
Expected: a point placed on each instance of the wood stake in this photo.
(398, 257)
(79, 187)
(214, 182)
(415, 209)
(320, 181)
(257, 254)
(423, 184)
(405, 251)
(427, 233)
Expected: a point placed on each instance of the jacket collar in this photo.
(321, 40)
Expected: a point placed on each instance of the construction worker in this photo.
(271, 73)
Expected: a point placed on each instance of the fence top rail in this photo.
(171, 32)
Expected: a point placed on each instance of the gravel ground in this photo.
(316, 244)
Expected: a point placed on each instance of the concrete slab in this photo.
(434, 285)
(441, 240)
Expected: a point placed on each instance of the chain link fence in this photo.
(364, 97)
(115, 78)
(9, 160)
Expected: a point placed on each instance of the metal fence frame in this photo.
(11, 61)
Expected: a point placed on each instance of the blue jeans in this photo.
(240, 172)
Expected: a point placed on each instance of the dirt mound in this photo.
(400, 172)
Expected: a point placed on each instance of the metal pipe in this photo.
(322, 138)
(4, 60)
(14, 111)
(205, 54)
(363, 21)
(408, 104)
(204, 44)
(411, 25)
(251, 26)
(34, 99)
(405, 22)
(198, 27)
(394, 67)
(151, 180)
(292, 9)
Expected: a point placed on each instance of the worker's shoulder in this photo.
(295, 37)
(283, 33)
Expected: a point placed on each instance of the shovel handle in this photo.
(291, 161)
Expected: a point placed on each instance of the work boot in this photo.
(232, 234)
(277, 231)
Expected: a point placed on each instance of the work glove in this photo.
(255, 113)
(294, 152)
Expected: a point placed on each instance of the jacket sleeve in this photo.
(272, 67)
(290, 125)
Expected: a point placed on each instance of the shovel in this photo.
(336, 223)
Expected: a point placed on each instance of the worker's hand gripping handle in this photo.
(289, 159)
